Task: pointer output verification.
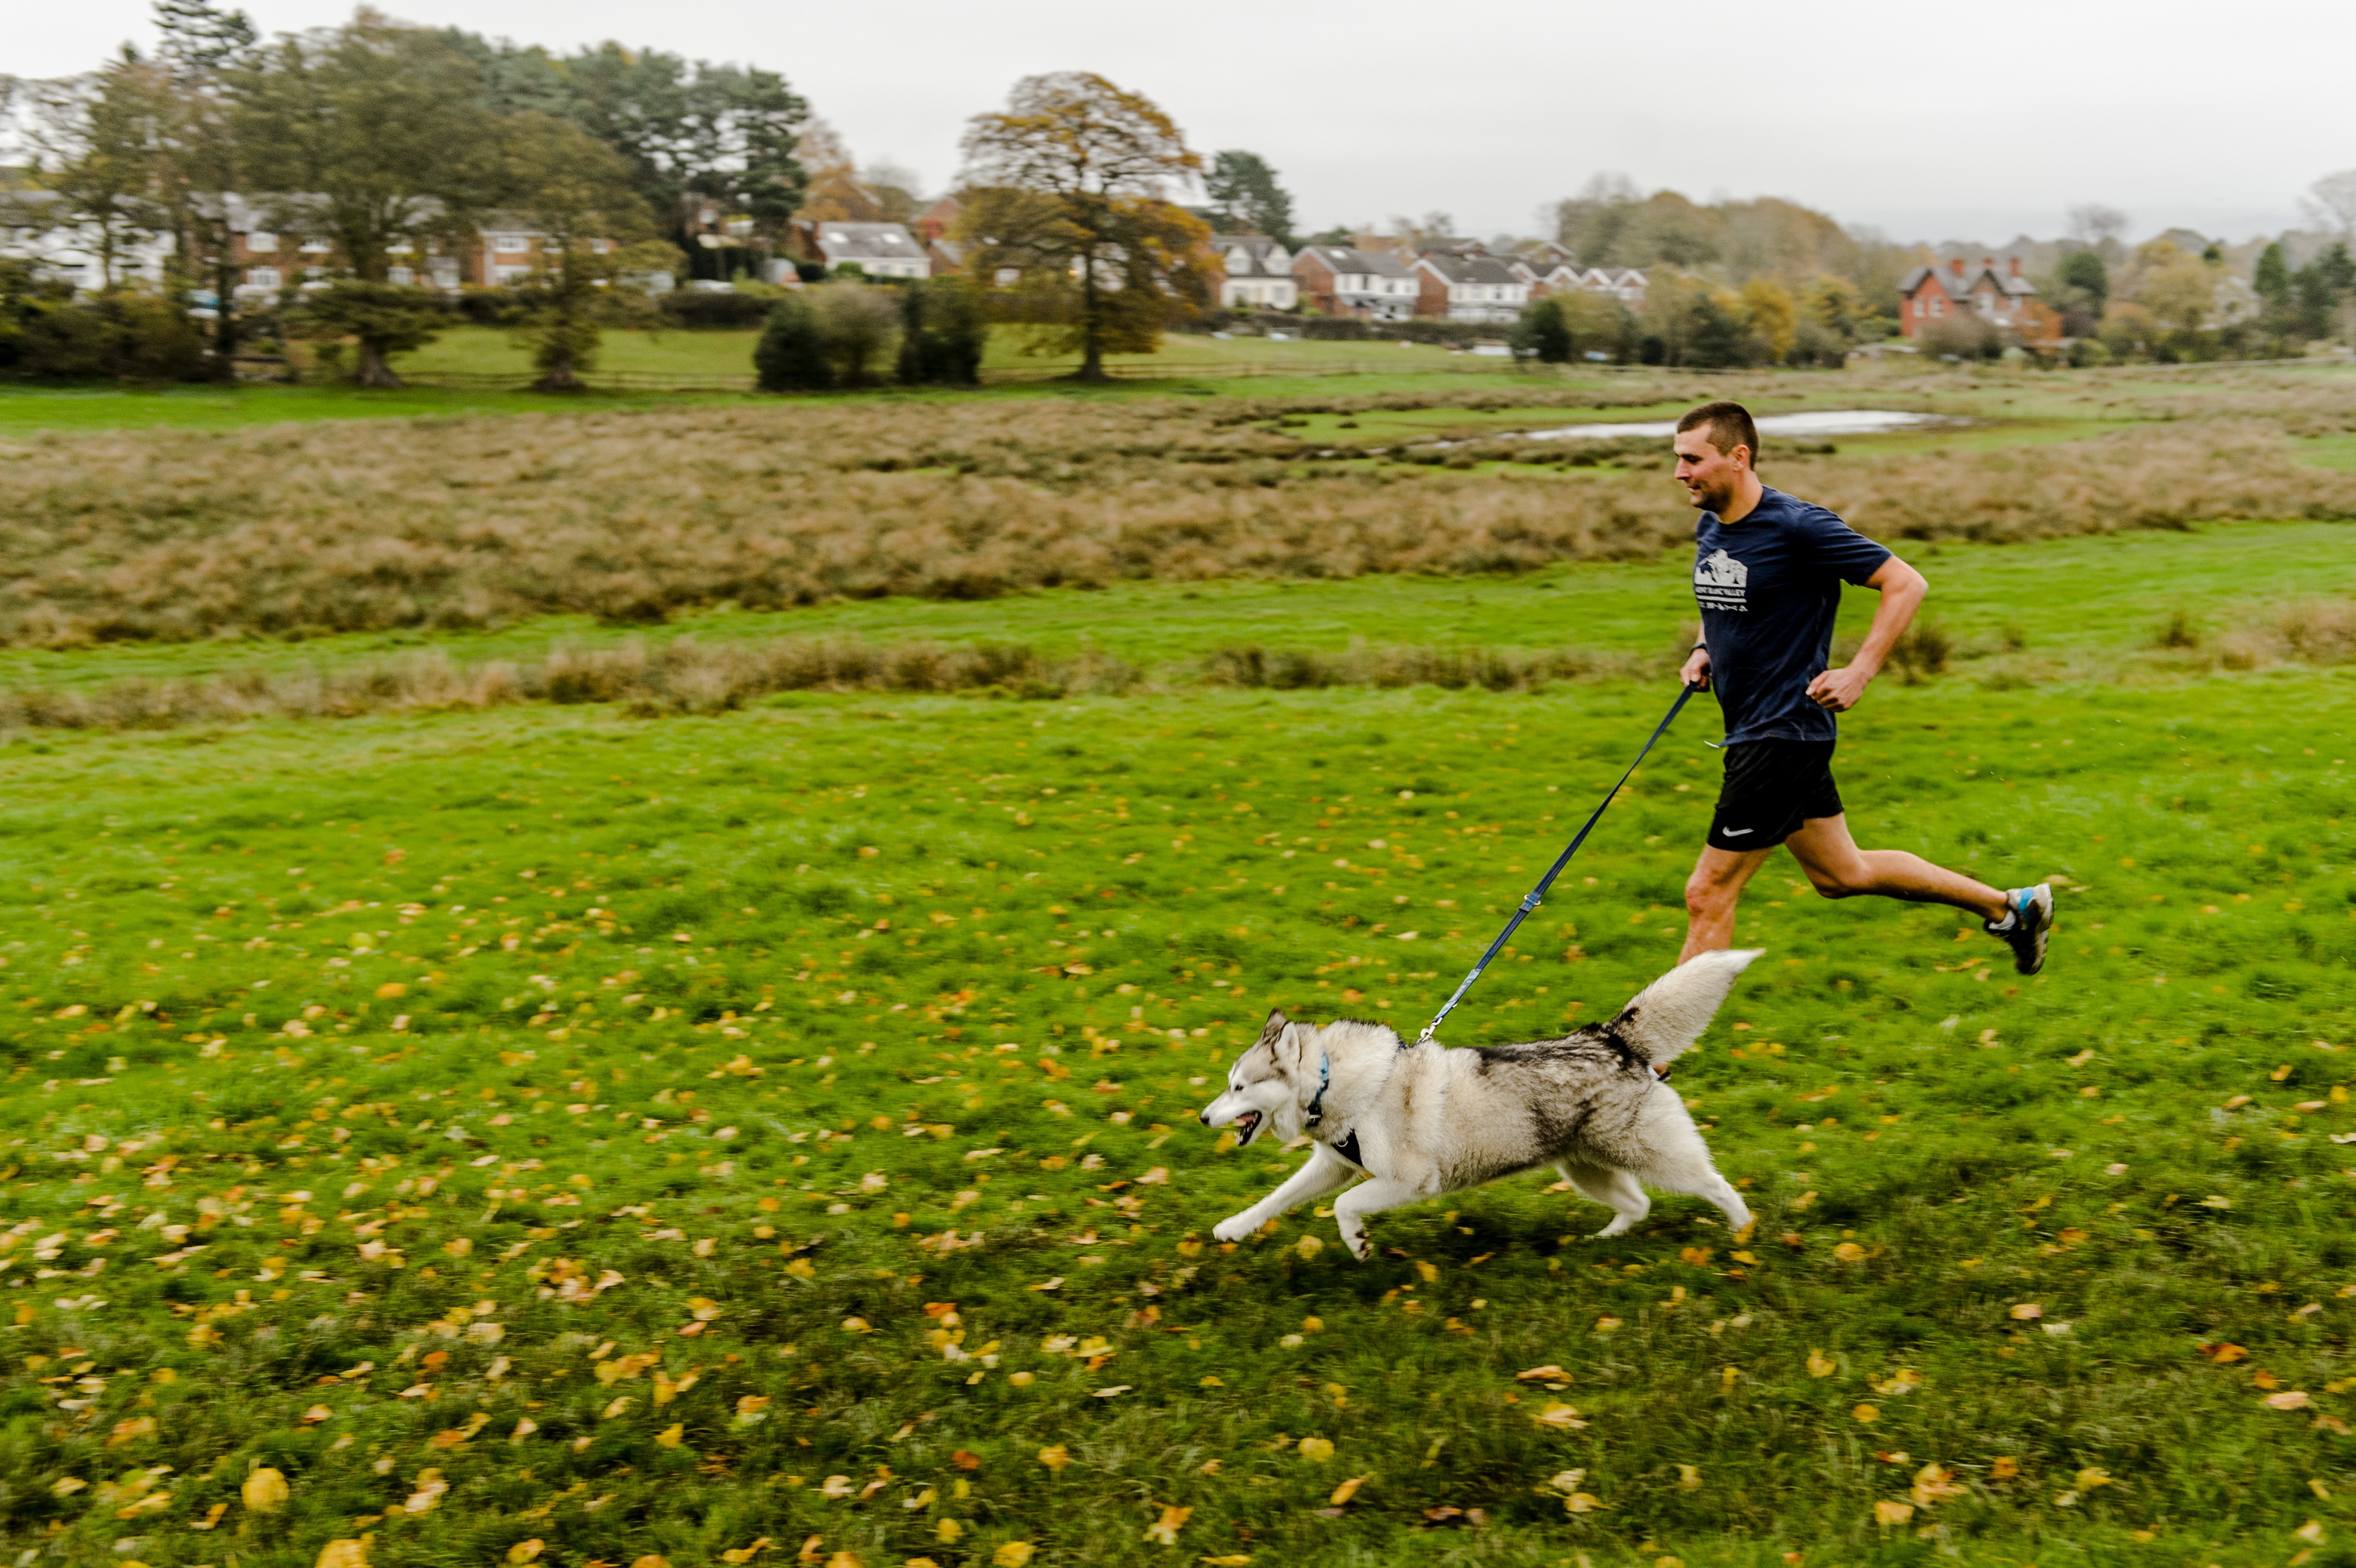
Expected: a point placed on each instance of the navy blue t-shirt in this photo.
(1769, 587)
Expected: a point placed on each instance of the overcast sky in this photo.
(1929, 123)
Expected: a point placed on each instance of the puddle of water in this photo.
(1829, 422)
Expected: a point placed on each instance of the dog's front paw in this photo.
(1360, 1245)
(1235, 1227)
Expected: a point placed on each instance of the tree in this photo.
(1068, 186)
(577, 194)
(202, 161)
(1247, 198)
(383, 318)
(2096, 227)
(94, 141)
(1837, 305)
(2331, 201)
(383, 130)
(856, 323)
(1590, 224)
(942, 333)
(1542, 333)
(2180, 290)
(692, 132)
(792, 356)
(2086, 272)
(1774, 317)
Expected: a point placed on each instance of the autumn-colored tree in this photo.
(1774, 318)
(1068, 187)
(595, 234)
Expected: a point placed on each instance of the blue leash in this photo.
(1531, 900)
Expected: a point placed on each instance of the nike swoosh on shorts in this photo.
(1736, 832)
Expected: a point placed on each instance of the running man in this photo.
(1768, 571)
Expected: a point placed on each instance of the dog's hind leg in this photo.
(1614, 1189)
(1684, 1166)
(1350, 1210)
(1324, 1173)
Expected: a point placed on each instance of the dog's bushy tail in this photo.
(1668, 1015)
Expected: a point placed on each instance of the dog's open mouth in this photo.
(1247, 1127)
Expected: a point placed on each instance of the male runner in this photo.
(1767, 570)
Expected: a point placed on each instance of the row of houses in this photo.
(270, 248)
(1459, 281)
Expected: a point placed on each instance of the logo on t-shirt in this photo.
(1720, 581)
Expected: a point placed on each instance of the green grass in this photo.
(395, 1014)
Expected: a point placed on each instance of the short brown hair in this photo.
(1730, 426)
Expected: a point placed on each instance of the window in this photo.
(315, 246)
(399, 248)
(504, 276)
(1938, 304)
(510, 244)
(261, 277)
(262, 242)
(401, 275)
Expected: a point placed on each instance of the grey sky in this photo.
(1929, 123)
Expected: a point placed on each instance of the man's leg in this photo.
(1711, 894)
(1839, 869)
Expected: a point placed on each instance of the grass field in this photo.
(549, 1135)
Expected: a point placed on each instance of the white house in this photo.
(1469, 288)
(1258, 273)
(35, 226)
(878, 249)
(1374, 286)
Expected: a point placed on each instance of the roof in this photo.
(880, 241)
(1973, 275)
(1262, 256)
(1470, 268)
(1342, 259)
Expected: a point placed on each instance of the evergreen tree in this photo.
(792, 356)
(942, 334)
(1247, 198)
(1542, 333)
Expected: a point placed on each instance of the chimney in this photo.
(2016, 266)
(1958, 265)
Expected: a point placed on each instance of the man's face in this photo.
(1709, 475)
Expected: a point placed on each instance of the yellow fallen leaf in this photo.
(1309, 1246)
(1933, 1483)
(2026, 1311)
(1821, 1365)
(265, 1490)
(1892, 1513)
(948, 1531)
(1606, 1324)
(670, 1436)
(651, 1561)
(1558, 1415)
(343, 1554)
(840, 1560)
(1582, 1502)
(2089, 1479)
(525, 1551)
(619, 1407)
(1905, 1380)
(1867, 1414)
(2311, 1533)
(1347, 1489)
(835, 1487)
(1316, 1450)
(1013, 1554)
(1165, 1529)
(1689, 1477)
(745, 1553)
(524, 1427)
(2289, 1399)
(1055, 1456)
(1549, 1373)
(2004, 1469)
(1233, 1560)
(1849, 1252)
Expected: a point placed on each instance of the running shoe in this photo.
(2028, 918)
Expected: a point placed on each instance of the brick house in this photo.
(1338, 279)
(1258, 275)
(1930, 294)
(1626, 285)
(1468, 288)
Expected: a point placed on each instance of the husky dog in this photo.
(1420, 1120)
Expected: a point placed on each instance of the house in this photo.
(878, 249)
(1468, 288)
(939, 220)
(1626, 285)
(34, 226)
(1258, 273)
(1372, 285)
(1930, 294)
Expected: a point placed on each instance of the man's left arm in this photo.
(1902, 588)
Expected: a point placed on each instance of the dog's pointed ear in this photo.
(1273, 1030)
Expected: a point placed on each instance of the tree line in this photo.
(392, 145)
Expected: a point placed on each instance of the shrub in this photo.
(122, 334)
(1542, 333)
(792, 356)
(698, 310)
(1967, 335)
(942, 334)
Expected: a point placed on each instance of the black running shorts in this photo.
(1772, 787)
